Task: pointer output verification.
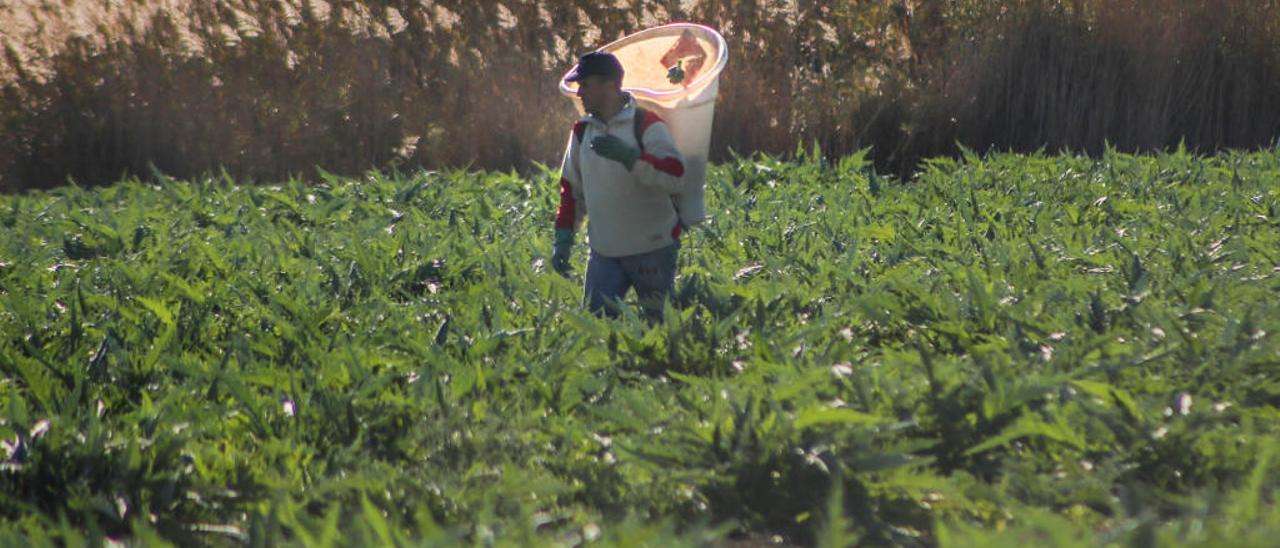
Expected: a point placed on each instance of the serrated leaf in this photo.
(1110, 395)
(820, 415)
(158, 308)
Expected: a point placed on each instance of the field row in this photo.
(1002, 350)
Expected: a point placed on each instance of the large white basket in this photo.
(687, 106)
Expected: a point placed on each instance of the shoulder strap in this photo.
(638, 127)
(580, 128)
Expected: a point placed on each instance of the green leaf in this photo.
(1111, 395)
(824, 415)
(374, 519)
(884, 232)
(158, 308)
(1029, 425)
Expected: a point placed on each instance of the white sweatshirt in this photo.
(631, 211)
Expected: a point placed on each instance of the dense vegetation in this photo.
(1017, 350)
(92, 90)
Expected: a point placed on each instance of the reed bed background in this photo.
(272, 89)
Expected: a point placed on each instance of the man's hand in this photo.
(615, 149)
(563, 248)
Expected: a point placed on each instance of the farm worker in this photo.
(621, 168)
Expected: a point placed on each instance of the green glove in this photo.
(615, 149)
(563, 248)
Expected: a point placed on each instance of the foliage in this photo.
(1005, 349)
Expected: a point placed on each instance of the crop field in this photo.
(1004, 350)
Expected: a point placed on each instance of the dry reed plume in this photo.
(268, 89)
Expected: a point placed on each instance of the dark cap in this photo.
(596, 63)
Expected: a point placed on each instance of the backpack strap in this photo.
(638, 126)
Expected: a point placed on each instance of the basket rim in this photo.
(722, 57)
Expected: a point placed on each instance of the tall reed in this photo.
(269, 89)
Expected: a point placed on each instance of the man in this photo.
(626, 185)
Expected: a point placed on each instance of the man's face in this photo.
(596, 92)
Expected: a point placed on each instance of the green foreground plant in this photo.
(1004, 350)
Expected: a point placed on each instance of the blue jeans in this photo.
(652, 274)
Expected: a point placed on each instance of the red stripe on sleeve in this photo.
(649, 119)
(670, 166)
(565, 216)
(675, 232)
